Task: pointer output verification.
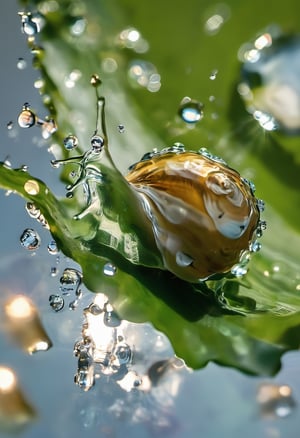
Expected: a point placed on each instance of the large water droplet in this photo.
(30, 239)
(70, 142)
(56, 302)
(26, 118)
(191, 111)
(31, 23)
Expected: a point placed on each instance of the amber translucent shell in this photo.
(203, 213)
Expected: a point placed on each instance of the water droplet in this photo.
(97, 143)
(121, 129)
(52, 247)
(78, 27)
(260, 205)
(213, 75)
(10, 125)
(111, 319)
(239, 270)
(266, 121)
(94, 309)
(255, 246)
(21, 64)
(56, 302)
(109, 269)
(123, 355)
(30, 239)
(215, 18)
(31, 23)
(26, 118)
(191, 111)
(31, 187)
(73, 305)
(275, 400)
(70, 142)
(95, 81)
(71, 276)
(53, 271)
(183, 259)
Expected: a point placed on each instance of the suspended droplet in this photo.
(70, 142)
(78, 27)
(109, 269)
(30, 239)
(10, 125)
(26, 118)
(21, 64)
(52, 247)
(71, 276)
(121, 129)
(97, 143)
(275, 400)
(32, 187)
(56, 302)
(191, 111)
(31, 23)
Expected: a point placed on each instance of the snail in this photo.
(195, 213)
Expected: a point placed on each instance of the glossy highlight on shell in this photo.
(203, 214)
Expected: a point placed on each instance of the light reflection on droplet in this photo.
(31, 187)
(191, 111)
(26, 118)
(21, 64)
(213, 74)
(52, 247)
(109, 269)
(216, 17)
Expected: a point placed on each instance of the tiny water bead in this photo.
(21, 64)
(30, 239)
(70, 142)
(52, 247)
(27, 117)
(121, 129)
(191, 111)
(269, 81)
(56, 302)
(213, 75)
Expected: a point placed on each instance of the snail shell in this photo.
(203, 214)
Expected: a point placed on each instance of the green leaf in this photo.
(249, 323)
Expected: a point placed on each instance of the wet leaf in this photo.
(249, 323)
